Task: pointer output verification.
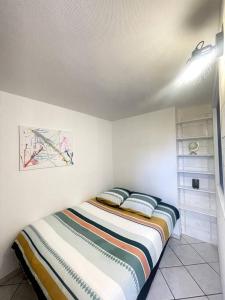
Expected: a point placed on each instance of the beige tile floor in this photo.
(189, 269)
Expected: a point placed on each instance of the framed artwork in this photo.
(44, 148)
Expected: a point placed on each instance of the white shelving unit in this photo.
(195, 120)
(197, 206)
(200, 137)
(195, 156)
(196, 172)
(190, 188)
(206, 212)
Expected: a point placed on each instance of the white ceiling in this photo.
(107, 58)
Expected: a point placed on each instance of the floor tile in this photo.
(18, 278)
(169, 259)
(7, 291)
(176, 242)
(187, 255)
(216, 297)
(197, 298)
(181, 283)
(25, 292)
(159, 289)
(206, 277)
(215, 266)
(207, 251)
(191, 240)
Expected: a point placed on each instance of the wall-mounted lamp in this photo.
(202, 58)
(201, 50)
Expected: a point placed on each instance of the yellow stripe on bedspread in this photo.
(37, 267)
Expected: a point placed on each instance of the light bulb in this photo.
(196, 67)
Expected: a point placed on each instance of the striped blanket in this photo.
(95, 251)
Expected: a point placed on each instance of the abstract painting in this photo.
(44, 148)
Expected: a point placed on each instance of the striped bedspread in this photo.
(95, 251)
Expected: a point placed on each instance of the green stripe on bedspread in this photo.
(124, 258)
(116, 235)
(105, 261)
(169, 209)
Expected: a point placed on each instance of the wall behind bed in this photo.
(29, 195)
(144, 154)
(221, 194)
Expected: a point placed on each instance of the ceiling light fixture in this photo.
(202, 58)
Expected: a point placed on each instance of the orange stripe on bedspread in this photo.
(132, 249)
(153, 222)
(46, 280)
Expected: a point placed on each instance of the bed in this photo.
(95, 251)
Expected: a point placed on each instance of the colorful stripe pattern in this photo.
(115, 196)
(94, 251)
(141, 204)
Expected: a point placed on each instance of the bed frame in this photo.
(142, 295)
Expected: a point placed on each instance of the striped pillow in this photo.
(114, 197)
(141, 204)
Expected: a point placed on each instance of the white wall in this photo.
(144, 154)
(27, 196)
(221, 235)
(220, 195)
(220, 211)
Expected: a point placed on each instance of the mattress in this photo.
(95, 251)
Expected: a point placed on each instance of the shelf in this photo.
(195, 156)
(189, 188)
(206, 212)
(196, 172)
(202, 137)
(195, 120)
